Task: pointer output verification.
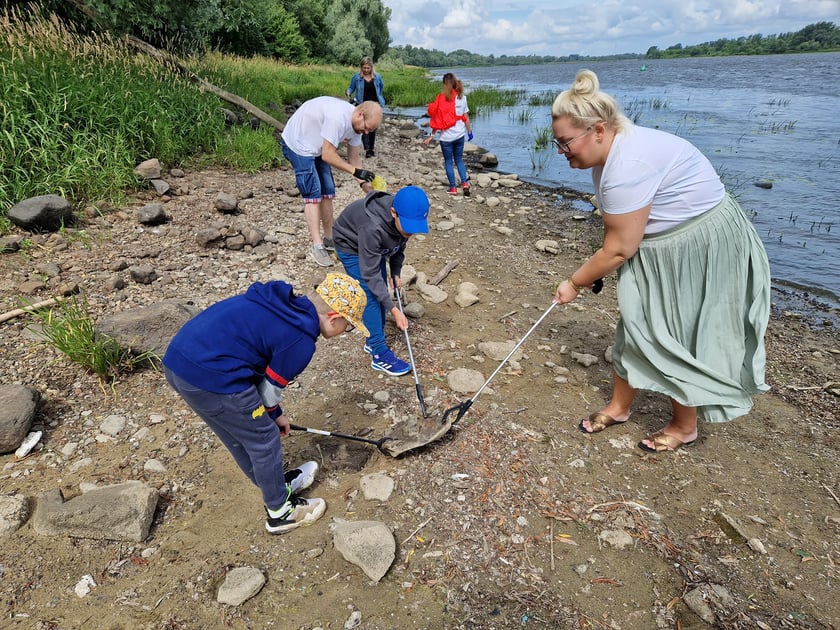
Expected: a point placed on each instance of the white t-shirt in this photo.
(459, 128)
(648, 166)
(318, 119)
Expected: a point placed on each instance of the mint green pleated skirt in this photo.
(695, 302)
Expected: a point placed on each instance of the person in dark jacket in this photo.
(366, 85)
(231, 363)
(369, 233)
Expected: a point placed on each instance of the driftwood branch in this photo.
(28, 309)
(168, 60)
(444, 272)
(171, 62)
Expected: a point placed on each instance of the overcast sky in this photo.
(592, 27)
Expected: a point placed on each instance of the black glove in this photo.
(361, 173)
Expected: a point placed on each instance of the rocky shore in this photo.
(513, 518)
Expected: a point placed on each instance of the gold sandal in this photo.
(664, 443)
(599, 422)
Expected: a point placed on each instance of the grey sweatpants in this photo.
(240, 422)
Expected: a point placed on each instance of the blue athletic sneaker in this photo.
(368, 349)
(388, 362)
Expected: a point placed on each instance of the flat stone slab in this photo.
(240, 585)
(118, 512)
(369, 545)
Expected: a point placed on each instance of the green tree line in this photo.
(295, 31)
(819, 37)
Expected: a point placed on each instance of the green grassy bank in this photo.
(78, 113)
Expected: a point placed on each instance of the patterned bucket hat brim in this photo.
(346, 297)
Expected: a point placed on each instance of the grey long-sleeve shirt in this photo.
(366, 229)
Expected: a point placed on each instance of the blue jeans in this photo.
(454, 152)
(374, 315)
(252, 438)
(313, 176)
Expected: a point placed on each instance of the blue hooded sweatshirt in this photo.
(263, 338)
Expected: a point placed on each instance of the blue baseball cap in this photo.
(412, 207)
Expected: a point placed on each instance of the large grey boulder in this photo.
(44, 213)
(147, 328)
(17, 412)
(151, 214)
(118, 512)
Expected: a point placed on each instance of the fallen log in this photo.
(168, 60)
(28, 309)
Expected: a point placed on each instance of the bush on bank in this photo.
(78, 113)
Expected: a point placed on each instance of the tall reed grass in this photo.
(78, 112)
(484, 100)
(268, 84)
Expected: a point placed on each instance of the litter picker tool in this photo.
(413, 366)
(462, 408)
(377, 443)
(406, 438)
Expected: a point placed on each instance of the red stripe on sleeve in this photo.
(274, 376)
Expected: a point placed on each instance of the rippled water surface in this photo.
(758, 119)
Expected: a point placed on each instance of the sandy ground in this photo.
(512, 519)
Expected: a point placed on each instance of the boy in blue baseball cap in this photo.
(368, 234)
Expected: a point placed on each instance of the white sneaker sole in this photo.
(319, 506)
(387, 371)
(306, 477)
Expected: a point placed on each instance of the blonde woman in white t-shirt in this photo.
(693, 277)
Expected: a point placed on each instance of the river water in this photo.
(758, 119)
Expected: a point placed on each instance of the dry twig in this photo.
(833, 496)
(444, 272)
(417, 529)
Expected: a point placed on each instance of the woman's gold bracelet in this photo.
(573, 285)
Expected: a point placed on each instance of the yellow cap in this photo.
(346, 297)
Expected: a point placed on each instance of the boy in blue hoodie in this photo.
(368, 234)
(231, 363)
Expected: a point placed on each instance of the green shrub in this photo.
(79, 112)
(70, 329)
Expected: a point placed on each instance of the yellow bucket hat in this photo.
(346, 297)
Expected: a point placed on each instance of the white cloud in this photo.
(597, 27)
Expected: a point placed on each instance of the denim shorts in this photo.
(313, 176)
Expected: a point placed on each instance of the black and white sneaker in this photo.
(297, 512)
(300, 478)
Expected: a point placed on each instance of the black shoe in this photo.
(370, 154)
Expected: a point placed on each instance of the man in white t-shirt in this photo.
(310, 142)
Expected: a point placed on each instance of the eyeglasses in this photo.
(563, 147)
(349, 327)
